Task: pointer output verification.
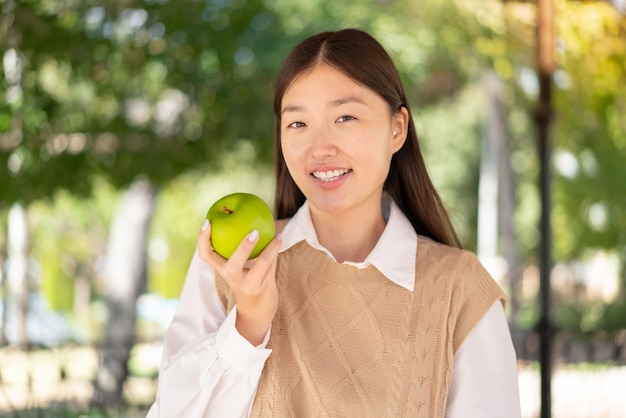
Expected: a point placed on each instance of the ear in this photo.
(399, 128)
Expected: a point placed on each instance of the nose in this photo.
(323, 144)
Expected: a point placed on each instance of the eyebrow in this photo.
(345, 100)
(292, 108)
(332, 103)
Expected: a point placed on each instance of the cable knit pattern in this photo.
(347, 342)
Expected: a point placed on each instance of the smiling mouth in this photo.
(330, 175)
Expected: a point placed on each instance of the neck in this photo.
(349, 236)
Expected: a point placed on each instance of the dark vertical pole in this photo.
(545, 67)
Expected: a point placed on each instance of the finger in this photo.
(205, 249)
(267, 259)
(270, 252)
(204, 240)
(239, 258)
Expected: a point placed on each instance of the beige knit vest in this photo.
(347, 342)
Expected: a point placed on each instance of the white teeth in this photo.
(330, 175)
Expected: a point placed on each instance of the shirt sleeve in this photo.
(208, 368)
(484, 381)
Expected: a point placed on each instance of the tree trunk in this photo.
(497, 197)
(125, 278)
(487, 233)
(506, 202)
(17, 279)
(15, 306)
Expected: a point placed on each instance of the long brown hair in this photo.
(362, 58)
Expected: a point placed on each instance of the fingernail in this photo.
(279, 236)
(253, 236)
(205, 225)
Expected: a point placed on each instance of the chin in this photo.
(329, 205)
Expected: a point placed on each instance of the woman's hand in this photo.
(254, 282)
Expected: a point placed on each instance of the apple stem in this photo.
(225, 209)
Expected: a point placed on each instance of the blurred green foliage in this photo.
(68, 235)
(590, 191)
(98, 93)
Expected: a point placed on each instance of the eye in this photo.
(296, 125)
(345, 118)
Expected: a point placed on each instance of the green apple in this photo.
(233, 217)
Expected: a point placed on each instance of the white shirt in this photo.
(210, 370)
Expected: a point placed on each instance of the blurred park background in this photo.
(121, 121)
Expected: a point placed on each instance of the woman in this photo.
(365, 305)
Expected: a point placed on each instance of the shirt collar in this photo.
(394, 254)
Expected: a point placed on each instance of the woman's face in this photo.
(337, 139)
